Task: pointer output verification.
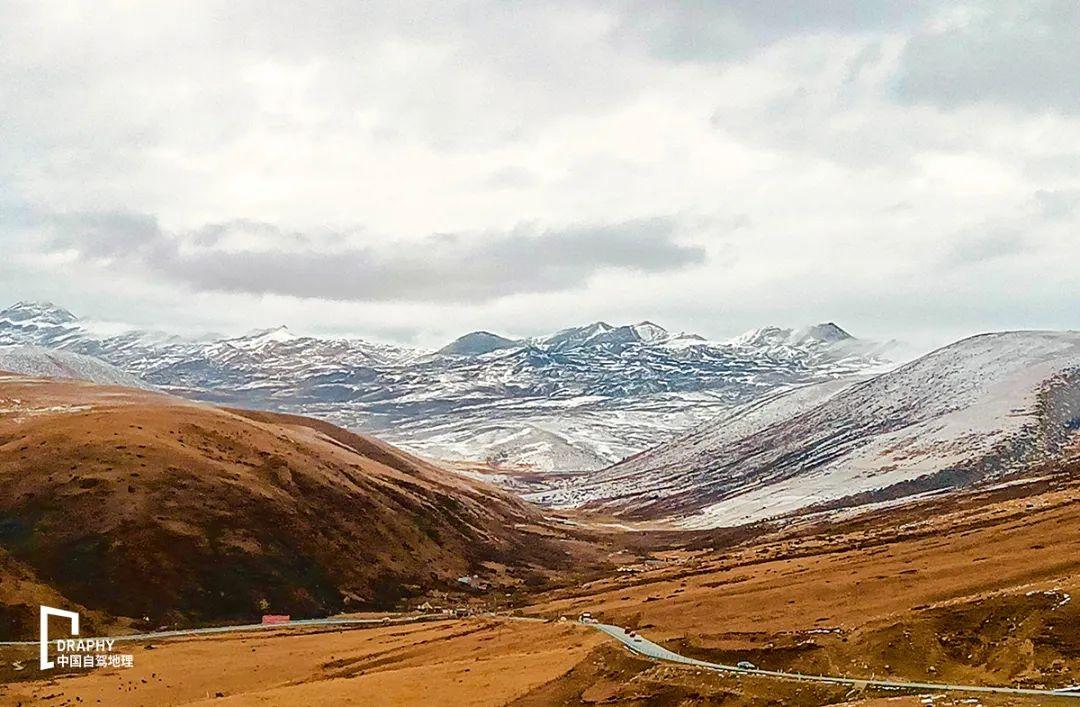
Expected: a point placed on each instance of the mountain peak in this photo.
(826, 332)
(648, 331)
(593, 329)
(574, 336)
(604, 334)
(763, 336)
(476, 343)
(266, 336)
(45, 312)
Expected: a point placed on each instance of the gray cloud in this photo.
(1021, 233)
(704, 30)
(1021, 54)
(438, 268)
(1058, 204)
(510, 177)
(101, 235)
(984, 243)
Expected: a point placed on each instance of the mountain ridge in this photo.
(583, 396)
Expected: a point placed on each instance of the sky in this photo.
(409, 172)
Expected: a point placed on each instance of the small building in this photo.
(474, 582)
(272, 619)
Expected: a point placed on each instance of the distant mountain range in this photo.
(581, 398)
(971, 413)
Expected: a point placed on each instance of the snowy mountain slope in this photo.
(520, 443)
(50, 363)
(974, 410)
(583, 397)
(43, 324)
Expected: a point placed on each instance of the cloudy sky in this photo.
(410, 171)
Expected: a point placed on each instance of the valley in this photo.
(918, 525)
(530, 354)
(919, 593)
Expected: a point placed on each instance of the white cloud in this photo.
(864, 162)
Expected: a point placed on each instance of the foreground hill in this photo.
(977, 410)
(977, 588)
(143, 505)
(580, 398)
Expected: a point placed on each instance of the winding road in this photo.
(644, 647)
(639, 645)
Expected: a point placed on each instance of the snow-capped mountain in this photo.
(971, 412)
(41, 362)
(581, 398)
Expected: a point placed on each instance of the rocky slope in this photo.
(581, 398)
(973, 411)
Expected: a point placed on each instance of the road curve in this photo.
(643, 647)
(651, 650)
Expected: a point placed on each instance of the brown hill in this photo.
(143, 505)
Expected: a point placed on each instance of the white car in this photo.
(746, 665)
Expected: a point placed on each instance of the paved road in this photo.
(245, 627)
(642, 647)
(654, 651)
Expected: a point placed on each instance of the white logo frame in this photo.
(43, 637)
